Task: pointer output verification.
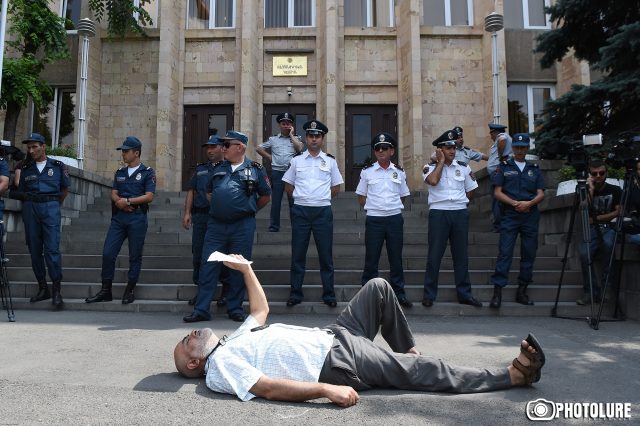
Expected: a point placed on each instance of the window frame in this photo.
(290, 15)
(56, 103)
(447, 14)
(525, 17)
(212, 16)
(62, 13)
(530, 107)
(369, 23)
(136, 15)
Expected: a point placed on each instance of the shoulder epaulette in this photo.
(329, 155)
(25, 165)
(367, 165)
(298, 153)
(201, 164)
(398, 167)
(149, 168)
(58, 163)
(462, 163)
(534, 165)
(217, 164)
(505, 162)
(257, 165)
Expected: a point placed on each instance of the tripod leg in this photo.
(572, 221)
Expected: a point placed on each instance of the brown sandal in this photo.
(531, 372)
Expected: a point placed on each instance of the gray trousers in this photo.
(354, 360)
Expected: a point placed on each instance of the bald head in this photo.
(191, 352)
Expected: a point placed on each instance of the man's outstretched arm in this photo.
(258, 306)
(294, 391)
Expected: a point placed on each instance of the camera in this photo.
(624, 153)
(541, 409)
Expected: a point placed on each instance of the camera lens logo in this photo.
(541, 409)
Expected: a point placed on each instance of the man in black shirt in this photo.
(605, 206)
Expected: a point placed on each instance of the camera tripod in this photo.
(5, 286)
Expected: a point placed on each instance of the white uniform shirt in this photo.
(450, 192)
(279, 351)
(312, 178)
(282, 151)
(383, 189)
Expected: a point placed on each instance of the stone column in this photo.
(410, 91)
(170, 95)
(248, 90)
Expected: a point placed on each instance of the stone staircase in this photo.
(165, 281)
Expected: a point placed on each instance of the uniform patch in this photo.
(425, 170)
(395, 175)
(511, 173)
(472, 176)
(120, 179)
(202, 172)
(50, 172)
(530, 173)
(458, 174)
(138, 176)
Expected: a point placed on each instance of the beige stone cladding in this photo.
(452, 89)
(128, 101)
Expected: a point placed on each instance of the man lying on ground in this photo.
(290, 363)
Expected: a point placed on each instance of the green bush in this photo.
(569, 173)
(62, 151)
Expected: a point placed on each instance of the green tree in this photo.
(37, 38)
(607, 35)
(120, 16)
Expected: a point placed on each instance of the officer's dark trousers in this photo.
(199, 229)
(277, 191)
(512, 224)
(319, 221)
(42, 232)
(354, 360)
(379, 229)
(228, 238)
(451, 226)
(131, 226)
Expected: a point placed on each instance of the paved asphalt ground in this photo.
(116, 368)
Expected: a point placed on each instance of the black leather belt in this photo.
(40, 198)
(199, 210)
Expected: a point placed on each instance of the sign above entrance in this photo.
(287, 66)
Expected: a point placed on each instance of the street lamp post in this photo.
(86, 29)
(493, 23)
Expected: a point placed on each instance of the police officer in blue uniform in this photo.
(196, 210)
(500, 150)
(5, 149)
(238, 188)
(134, 186)
(519, 188)
(381, 191)
(44, 184)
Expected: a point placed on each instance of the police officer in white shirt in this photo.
(381, 191)
(280, 149)
(451, 185)
(313, 178)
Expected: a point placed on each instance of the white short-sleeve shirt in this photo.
(282, 151)
(383, 189)
(279, 351)
(451, 191)
(312, 179)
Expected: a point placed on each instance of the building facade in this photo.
(414, 68)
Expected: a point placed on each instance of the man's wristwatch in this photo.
(128, 202)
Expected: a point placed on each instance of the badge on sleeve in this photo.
(50, 172)
(138, 176)
(472, 176)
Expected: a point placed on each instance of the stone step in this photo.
(282, 276)
(541, 309)
(344, 262)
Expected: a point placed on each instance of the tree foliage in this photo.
(607, 35)
(120, 16)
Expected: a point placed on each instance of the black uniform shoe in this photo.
(43, 293)
(192, 301)
(128, 296)
(222, 301)
(472, 301)
(405, 302)
(496, 300)
(292, 302)
(427, 303)
(56, 296)
(331, 303)
(521, 295)
(237, 317)
(194, 317)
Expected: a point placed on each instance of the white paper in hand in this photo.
(216, 256)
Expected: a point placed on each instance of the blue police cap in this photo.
(448, 138)
(496, 126)
(35, 137)
(459, 130)
(130, 142)
(383, 139)
(233, 135)
(285, 116)
(213, 140)
(520, 139)
(315, 127)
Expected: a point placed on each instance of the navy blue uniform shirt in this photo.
(199, 183)
(230, 197)
(53, 179)
(140, 182)
(4, 171)
(518, 185)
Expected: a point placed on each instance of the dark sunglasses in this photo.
(228, 144)
(381, 148)
(598, 173)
